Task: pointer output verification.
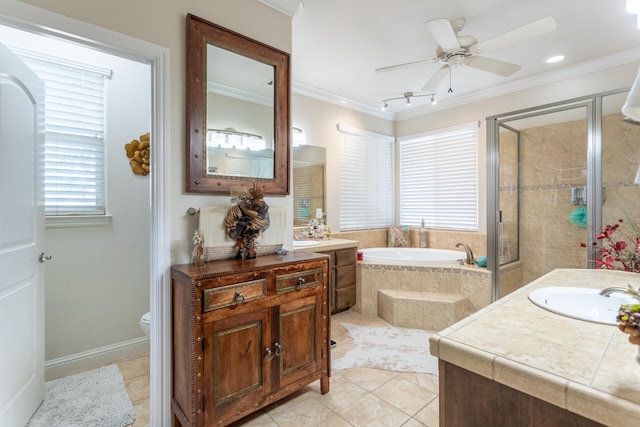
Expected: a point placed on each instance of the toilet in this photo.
(145, 323)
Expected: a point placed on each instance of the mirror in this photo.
(308, 183)
(238, 125)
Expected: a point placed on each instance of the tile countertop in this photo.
(587, 368)
(328, 245)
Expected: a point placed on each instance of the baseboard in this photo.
(91, 359)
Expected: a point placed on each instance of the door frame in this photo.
(39, 21)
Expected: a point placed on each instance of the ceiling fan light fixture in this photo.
(555, 58)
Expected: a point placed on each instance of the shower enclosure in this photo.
(556, 174)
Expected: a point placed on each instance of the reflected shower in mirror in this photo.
(308, 182)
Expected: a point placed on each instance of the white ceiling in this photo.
(337, 45)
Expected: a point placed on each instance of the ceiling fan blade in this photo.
(405, 65)
(517, 35)
(442, 31)
(493, 65)
(435, 80)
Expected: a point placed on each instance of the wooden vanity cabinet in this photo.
(247, 333)
(342, 278)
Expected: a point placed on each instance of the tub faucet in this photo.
(608, 291)
(470, 259)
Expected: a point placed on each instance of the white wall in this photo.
(97, 284)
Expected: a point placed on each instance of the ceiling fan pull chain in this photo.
(450, 90)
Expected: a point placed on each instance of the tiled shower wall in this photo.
(553, 159)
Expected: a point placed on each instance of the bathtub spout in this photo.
(470, 259)
(608, 291)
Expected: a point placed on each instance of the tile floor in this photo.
(357, 397)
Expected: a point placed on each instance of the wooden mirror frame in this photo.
(200, 33)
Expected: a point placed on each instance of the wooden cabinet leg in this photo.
(324, 384)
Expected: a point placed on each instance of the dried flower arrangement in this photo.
(246, 220)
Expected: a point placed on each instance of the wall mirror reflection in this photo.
(308, 183)
(238, 125)
(239, 115)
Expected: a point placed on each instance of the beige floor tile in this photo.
(342, 394)
(429, 414)
(404, 395)
(428, 381)
(373, 411)
(367, 378)
(413, 423)
(301, 410)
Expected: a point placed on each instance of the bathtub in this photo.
(424, 288)
(413, 256)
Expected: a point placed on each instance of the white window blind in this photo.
(366, 179)
(439, 179)
(74, 176)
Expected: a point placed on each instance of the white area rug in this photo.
(388, 348)
(95, 398)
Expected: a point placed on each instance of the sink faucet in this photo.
(608, 291)
(470, 259)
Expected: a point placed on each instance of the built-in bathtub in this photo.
(415, 256)
(424, 288)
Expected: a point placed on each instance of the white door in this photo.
(21, 240)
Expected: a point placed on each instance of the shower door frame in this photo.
(593, 105)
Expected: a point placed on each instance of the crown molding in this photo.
(332, 98)
(288, 7)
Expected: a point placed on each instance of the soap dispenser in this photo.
(423, 235)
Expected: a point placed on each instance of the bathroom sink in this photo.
(581, 303)
(301, 243)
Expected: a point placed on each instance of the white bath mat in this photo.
(388, 348)
(95, 398)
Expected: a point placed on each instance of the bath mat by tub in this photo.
(388, 348)
(95, 398)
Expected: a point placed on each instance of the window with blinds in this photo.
(74, 175)
(439, 179)
(366, 179)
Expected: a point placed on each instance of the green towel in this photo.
(579, 217)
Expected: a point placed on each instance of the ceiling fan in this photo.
(459, 49)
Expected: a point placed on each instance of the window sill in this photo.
(77, 221)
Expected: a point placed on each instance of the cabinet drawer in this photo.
(298, 280)
(345, 298)
(224, 296)
(345, 256)
(345, 276)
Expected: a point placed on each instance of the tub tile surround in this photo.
(427, 297)
(584, 367)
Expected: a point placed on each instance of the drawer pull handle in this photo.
(301, 282)
(238, 297)
(268, 354)
(277, 349)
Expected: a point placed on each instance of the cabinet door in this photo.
(300, 327)
(237, 372)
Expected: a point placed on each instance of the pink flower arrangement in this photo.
(618, 252)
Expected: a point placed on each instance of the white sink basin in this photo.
(301, 243)
(581, 303)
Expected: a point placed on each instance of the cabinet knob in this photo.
(238, 297)
(277, 349)
(301, 282)
(268, 354)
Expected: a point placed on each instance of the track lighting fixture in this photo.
(407, 97)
